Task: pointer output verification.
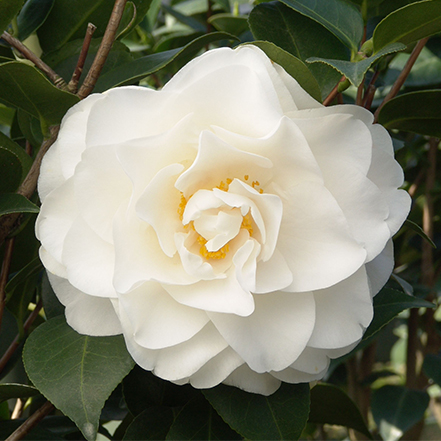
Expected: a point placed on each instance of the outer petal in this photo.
(86, 314)
(275, 334)
(216, 370)
(273, 275)
(246, 379)
(157, 320)
(315, 241)
(343, 311)
(380, 269)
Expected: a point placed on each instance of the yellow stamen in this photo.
(247, 223)
(182, 205)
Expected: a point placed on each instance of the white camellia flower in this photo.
(230, 226)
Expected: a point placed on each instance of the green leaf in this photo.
(380, 8)
(6, 115)
(355, 71)
(416, 112)
(415, 227)
(75, 372)
(30, 128)
(14, 164)
(31, 269)
(185, 19)
(388, 303)
(301, 37)
(14, 390)
(68, 20)
(233, 24)
(8, 332)
(198, 420)
(295, 67)
(409, 24)
(396, 409)
(26, 88)
(16, 203)
(330, 405)
(280, 416)
(52, 306)
(8, 10)
(134, 71)
(432, 367)
(32, 16)
(337, 16)
(152, 424)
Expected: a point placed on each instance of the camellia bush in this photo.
(218, 219)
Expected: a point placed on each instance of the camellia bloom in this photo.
(230, 226)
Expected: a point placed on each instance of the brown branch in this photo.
(29, 55)
(9, 221)
(6, 265)
(73, 83)
(333, 94)
(403, 75)
(31, 422)
(359, 98)
(104, 49)
(16, 342)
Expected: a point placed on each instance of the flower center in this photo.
(247, 223)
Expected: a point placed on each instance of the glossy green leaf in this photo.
(396, 409)
(185, 19)
(295, 67)
(280, 416)
(379, 8)
(355, 71)
(87, 370)
(14, 164)
(26, 88)
(330, 405)
(14, 390)
(30, 128)
(416, 112)
(68, 20)
(32, 16)
(31, 269)
(301, 37)
(198, 420)
(8, 10)
(339, 17)
(64, 60)
(415, 227)
(16, 203)
(409, 24)
(134, 71)
(152, 424)
(432, 367)
(388, 303)
(233, 24)
(52, 306)
(6, 115)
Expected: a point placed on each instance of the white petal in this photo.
(157, 320)
(314, 239)
(222, 161)
(273, 275)
(380, 269)
(290, 375)
(202, 200)
(275, 334)
(159, 204)
(344, 311)
(56, 217)
(139, 257)
(245, 262)
(51, 176)
(220, 295)
(101, 186)
(216, 370)
(71, 141)
(312, 361)
(246, 379)
(51, 264)
(89, 260)
(86, 314)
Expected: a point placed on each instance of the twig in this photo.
(403, 75)
(29, 55)
(28, 186)
(18, 409)
(359, 98)
(16, 342)
(31, 422)
(104, 49)
(73, 83)
(328, 100)
(6, 265)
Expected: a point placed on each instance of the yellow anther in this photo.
(247, 223)
(182, 205)
(246, 177)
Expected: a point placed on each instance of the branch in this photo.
(104, 49)
(31, 422)
(334, 92)
(28, 186)
(6, 265)
(73, 84)
(403, 75)
(29, 55)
